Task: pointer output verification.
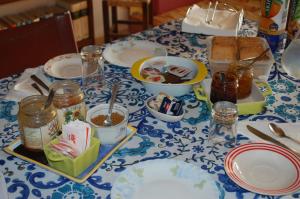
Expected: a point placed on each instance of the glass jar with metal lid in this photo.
(69, 101)
(38, 125)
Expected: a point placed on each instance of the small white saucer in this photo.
(162, 116)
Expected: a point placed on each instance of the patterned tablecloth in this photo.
(185, 140)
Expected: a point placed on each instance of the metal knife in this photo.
(39, 81)
(263, 136)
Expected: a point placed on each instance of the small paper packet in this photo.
(78, 133)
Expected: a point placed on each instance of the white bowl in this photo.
(199, 72)
(162, 116)
(112, 134)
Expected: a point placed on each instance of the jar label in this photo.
(36, 138)
(71, 113)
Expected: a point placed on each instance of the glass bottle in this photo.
(69, 101)
(38, 125)
(290, 57)
(223, 125)
(92, 67)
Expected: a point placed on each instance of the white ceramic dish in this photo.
(112, 134)
(261, 69)
(126, 53)
(67, 66)
(162, 116)
(199, 72)
(162, 179)
(264, 168)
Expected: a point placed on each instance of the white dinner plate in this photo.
(67, 66)
(164, 179)
(126, 53)
(264, 168)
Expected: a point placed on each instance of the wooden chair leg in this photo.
(114, 17)
(150, 13)
(106, 21)
(145, 15)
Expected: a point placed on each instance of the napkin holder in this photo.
(226, 22)
(72, 166)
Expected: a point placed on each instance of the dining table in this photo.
(185, 140)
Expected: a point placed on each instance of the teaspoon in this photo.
(107, 121)
(280, 132)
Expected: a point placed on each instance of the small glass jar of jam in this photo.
(224, 87)
(245, 78)
(38, 125)
(69, 101)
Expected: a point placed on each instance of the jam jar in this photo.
(224, 87)
(245, 78)
(69, 101)
(38, 125)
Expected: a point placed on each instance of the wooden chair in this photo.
(110, 34)
(34, 44)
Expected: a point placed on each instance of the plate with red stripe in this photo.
(264, 168)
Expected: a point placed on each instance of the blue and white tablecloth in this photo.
(185, 140)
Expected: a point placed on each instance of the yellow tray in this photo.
(105, 151)
(251, 105)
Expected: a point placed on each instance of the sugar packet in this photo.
(78, 133)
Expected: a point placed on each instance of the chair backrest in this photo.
(33, 44)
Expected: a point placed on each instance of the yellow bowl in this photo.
(199, 72)
(72, 166)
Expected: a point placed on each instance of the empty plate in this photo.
(264, 168)
(126, 53)
(67, 66)
(161, 179)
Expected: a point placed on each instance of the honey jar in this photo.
(38, 125)
(69, 101)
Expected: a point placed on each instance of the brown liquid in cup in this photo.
(116, 118)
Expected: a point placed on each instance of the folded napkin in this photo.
(225, 22)
(23, 87)
(291, 129)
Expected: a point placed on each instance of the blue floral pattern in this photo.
(186, 140)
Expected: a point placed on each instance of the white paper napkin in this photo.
(23, 87)
(291, 129)
(224, 23)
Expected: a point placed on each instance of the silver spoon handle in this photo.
(114, 91)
